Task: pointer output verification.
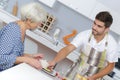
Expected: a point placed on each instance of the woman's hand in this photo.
(29, 60)
(37, 56)
(33, 62)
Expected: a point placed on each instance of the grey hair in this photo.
(33, 11)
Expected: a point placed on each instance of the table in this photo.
(24, 71)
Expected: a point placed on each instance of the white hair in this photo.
(34, 12)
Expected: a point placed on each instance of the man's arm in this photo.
(103, 72)
(63, 53)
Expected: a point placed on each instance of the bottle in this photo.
(15, 9)
(56, 35)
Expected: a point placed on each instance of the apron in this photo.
(91, 63)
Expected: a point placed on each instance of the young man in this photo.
(97, 49)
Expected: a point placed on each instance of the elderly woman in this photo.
(13, 34)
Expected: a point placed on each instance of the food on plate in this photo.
(44, 63)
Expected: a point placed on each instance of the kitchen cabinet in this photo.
(83, 7)
(49, 3)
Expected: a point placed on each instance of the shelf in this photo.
(49, 3)
(7, 17)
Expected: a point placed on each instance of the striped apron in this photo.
(91, 63)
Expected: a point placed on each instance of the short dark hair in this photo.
(105, 17)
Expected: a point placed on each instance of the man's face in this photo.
(99, 28)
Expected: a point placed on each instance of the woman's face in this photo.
(32, 25)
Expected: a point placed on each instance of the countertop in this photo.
(24, 71)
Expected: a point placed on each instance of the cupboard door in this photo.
(49, 3)
(83, 7)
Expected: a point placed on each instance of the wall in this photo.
(67, 19)
(113, 4)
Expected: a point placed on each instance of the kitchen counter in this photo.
(24, 71)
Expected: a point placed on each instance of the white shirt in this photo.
(81, 40)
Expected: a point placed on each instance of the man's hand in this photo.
(51, 65)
